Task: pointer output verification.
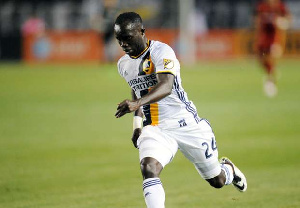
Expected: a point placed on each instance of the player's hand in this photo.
(126, 106)
(136, 134)
(282, 23)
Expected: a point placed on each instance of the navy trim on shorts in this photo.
(182, 96)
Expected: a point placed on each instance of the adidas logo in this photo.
(182, 123)
(146, 194)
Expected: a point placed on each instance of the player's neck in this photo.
(146, 44)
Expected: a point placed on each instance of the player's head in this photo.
(130, 33)
(272, 1)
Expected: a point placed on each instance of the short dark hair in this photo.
(129, 17)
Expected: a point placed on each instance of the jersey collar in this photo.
(148, 45)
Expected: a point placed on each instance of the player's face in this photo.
(271, 2)
(130, 38)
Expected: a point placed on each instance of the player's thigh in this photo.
(153, 142)
(201, 149)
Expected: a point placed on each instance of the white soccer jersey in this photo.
(140, 73)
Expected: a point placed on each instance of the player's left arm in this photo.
(284, 21)
(162, 89)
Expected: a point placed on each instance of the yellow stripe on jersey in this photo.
(164, 72)
(154, 113)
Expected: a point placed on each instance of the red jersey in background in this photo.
(267, 15)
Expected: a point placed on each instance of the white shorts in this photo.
(195, 141)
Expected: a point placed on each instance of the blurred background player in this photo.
(109, 14)
(34, 25)
(102, 14)
(271, 20)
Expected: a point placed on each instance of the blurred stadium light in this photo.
(187, 32)
(164, 19)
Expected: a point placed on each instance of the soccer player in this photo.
(170, 121)
(271, 21)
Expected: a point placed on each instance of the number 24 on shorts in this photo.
(209, 150)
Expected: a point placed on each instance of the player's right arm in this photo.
(284, 20)
(162, 89)
(139, 111)
(137, 122)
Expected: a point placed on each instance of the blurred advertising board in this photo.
(86, 46)
(292, 43)
(64, 46)
(216, 44)
(241, 43)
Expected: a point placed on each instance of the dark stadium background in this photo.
(62, 147)
(220, 14)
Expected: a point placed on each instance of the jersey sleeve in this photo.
(164, 60)
(120, 70)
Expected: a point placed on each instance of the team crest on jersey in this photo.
(168, 64)
(148, 66)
